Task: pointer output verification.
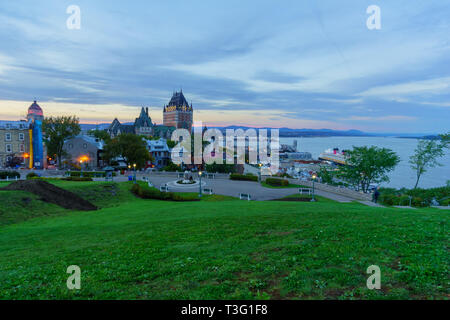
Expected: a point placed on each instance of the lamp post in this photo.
(314, 176)
(81, 168)
(134, 167)
(200, 187)
(259, 172)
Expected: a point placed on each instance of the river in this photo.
(402, 176)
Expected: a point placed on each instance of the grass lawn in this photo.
(220, 248)
(264, 184)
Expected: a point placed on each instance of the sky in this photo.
(296, 64)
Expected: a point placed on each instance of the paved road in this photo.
(234, 188)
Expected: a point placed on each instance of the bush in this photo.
(277, 182)
(90, 174)
(243, 177)
(32, 175)
(420, 197)
(9, 174)
(77, 179)
(146, 192)
(171, 167)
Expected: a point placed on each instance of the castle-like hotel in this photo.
(177, 114)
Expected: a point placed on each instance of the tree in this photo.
(100, 134)
(366, 165)
(425, 156)
(56, 131)
(132, 148)
(445, 139)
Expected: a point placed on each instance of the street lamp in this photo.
(259, 172)
(200, 187)
(81, 168)
(134, 167)
(314, 176)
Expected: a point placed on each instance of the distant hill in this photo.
(288, 132)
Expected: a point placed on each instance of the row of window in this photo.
(9, 148)
(8, 136)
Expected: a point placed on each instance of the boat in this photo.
(334, 156)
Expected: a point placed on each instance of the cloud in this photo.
(429, 87)
(300, 63)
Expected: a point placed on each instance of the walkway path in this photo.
(233, 188)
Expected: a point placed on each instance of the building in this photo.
(14, 142)
(160, 153)
(178, 113)
(37, 153)
(21, 142)
(142, 125)
(85, 149)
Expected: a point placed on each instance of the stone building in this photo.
(178, 113)
(14, 142)
(142, 125)
(86, 149)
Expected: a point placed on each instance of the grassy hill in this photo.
(218, 248)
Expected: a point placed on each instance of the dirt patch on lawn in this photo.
(53, 194)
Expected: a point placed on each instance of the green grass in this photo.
(220, 248)
(264, 184)
(318, 198)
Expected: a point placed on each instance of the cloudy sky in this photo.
(298, 64)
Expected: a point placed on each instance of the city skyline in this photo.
(260, 64)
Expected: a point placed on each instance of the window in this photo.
(22, 148)
(70, 146)
(21, 136)
(8, 126)
(8, 136)
(8, 148)
(85, 145)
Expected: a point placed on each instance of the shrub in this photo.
(146, 192)
(423, 197)
(246, 177)
(418, 202)
(77, 179)
(91, 174)
(445, 202)
(388, 199)
(9, 174)
(32, 175)
(277, 182)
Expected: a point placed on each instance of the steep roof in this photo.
(179, 101)
(144, 119)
